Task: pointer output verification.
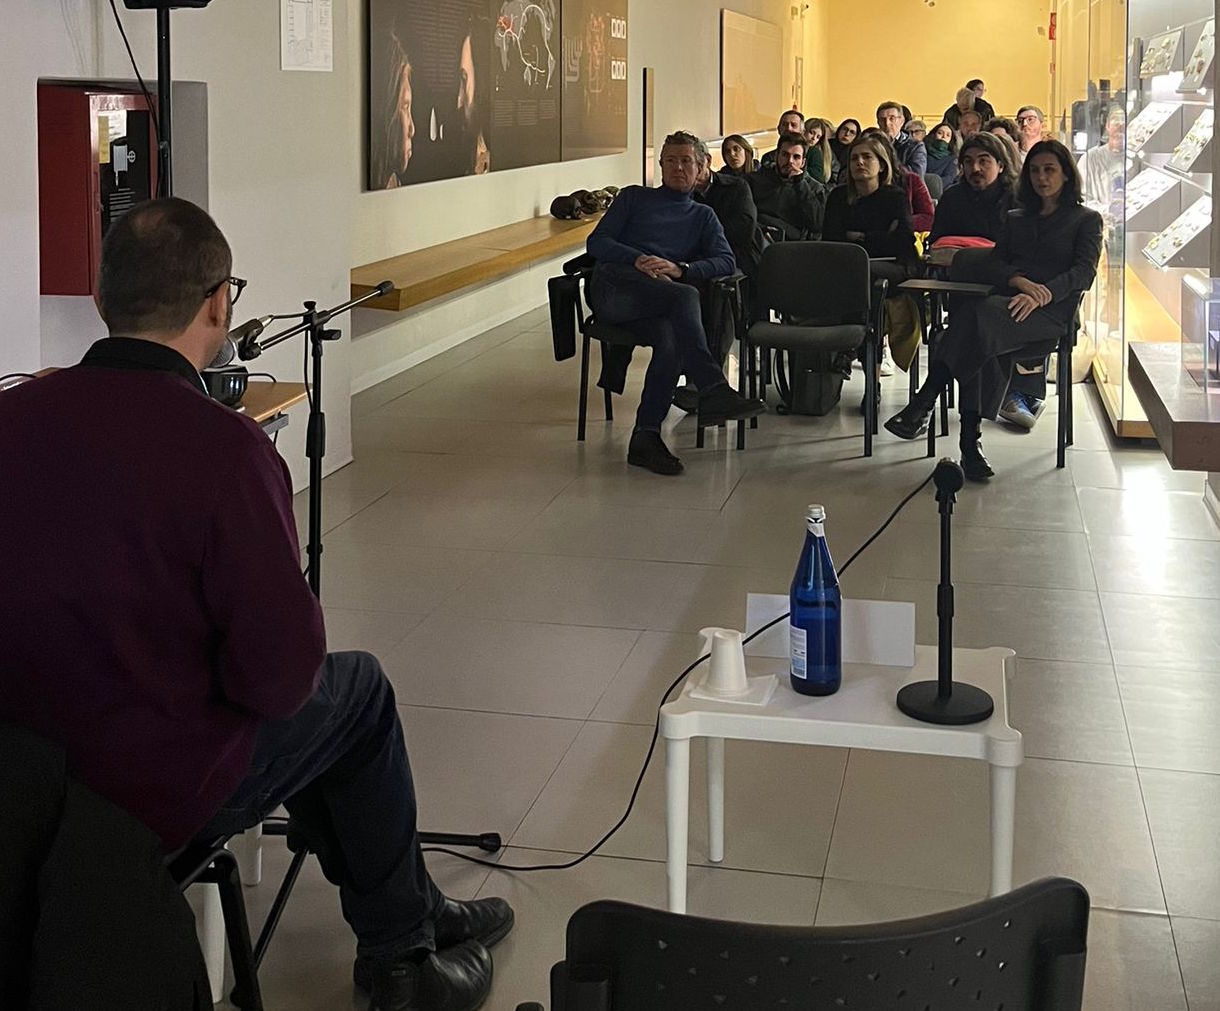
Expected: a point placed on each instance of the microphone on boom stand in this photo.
(941, 701)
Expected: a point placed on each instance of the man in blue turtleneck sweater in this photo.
(652, 247)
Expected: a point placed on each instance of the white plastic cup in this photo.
(727, 663)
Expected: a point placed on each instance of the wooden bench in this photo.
(439, 270)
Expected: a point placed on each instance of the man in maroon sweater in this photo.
(157, 626)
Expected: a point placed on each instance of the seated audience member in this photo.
(978, 205)
(981, 105)
(820, 163)
(731, 201)
(1030, 122)
(917, 129)
(969, 123)
(964, 102)
(919, 200)
(943, 146)
(789, 122)
(1003, 125)
(652, 247)
(1046, 255)
(787, 199)
(159, 629)
(911, 152)
(847, 132)
(738, 155)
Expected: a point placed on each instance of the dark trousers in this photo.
(1032, 381)
(340, 767)
(982, 344)
(667, 314)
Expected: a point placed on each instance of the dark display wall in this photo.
(464, 87)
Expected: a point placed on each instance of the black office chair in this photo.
(936, 185)
(571, 315)
(1024, 950)
(826, 301)
(211, 863)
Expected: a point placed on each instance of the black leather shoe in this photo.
(456, 979)
(723, 403)
(487, 921)
(974, 463)
(686, 398)
(647, 450)
(909, 423)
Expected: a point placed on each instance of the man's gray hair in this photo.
(680, 138)
(1034, 109)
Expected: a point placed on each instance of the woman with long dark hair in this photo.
(841, 142)
(738, 155)
(1045, 258)
(942, 144)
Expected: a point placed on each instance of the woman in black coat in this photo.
(1045, 259)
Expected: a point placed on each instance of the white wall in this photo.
(679, 38)
(283, 152)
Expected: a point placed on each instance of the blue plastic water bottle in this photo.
(815, 624)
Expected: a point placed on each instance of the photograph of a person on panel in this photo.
(429, 91)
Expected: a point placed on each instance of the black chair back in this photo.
(936, 185)
(1022, 950)
(819, 283)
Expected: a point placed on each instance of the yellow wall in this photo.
(919, 55)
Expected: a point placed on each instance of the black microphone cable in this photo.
(152, 108)
(656, 728)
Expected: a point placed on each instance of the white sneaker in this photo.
(887, 363)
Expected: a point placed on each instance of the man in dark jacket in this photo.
(652, 247)
(731, 201)
(158, 627)
(891, 119)
(978, 203)
(786, 197)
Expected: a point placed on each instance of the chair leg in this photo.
(246, 994)
(946, 401)
(1064, 393)
(870, 381)
(751, 355)
(584, 389)
(278, 904)
(609, 406)
(742, 386)
(699, 437)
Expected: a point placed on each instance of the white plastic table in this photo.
(862, 714)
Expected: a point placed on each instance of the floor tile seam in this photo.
(615, 676)
(1177, 955)
(1156, 856)
(830, 839)
(489, 712)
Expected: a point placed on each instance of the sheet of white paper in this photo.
(307, 35)
(874, 631)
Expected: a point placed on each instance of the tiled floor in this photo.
(530, 597)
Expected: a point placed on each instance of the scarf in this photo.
(936, 148)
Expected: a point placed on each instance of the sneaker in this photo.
(886, 367)
(723, 403)
(648, 451)
(1016, 411)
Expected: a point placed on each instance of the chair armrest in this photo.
(582, 264)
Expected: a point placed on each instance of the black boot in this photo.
(647, 450)
(909, 423)
(456, 979)
(974, 463)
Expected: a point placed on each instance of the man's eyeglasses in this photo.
(238, 285)
(1022, 120)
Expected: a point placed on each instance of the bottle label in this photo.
(800, 663)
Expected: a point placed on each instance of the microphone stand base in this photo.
(966, 703)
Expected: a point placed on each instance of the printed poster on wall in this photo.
(594, 77)
(467, 87)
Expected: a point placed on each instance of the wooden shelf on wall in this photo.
(450, 267)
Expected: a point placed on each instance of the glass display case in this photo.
(1134, 98)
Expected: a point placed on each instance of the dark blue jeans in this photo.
(668, 314)
(340, 767)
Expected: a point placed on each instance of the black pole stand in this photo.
(941, 701)
(313, 322)
(165, 110)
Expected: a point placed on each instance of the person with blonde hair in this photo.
(820, 162)
(963, 102)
